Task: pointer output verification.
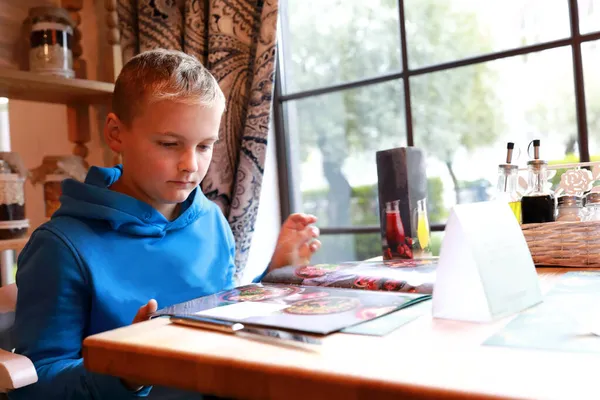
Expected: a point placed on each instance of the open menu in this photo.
(409, 276)
(322, 298)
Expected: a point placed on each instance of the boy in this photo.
(136, 236)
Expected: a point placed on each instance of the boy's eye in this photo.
(204, 147)
(167, 144)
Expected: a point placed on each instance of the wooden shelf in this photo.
(24, 85)
(13, 244)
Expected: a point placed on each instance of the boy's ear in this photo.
(113, 133)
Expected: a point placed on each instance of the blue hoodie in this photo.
(95, 263)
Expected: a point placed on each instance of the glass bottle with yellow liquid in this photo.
(422, 244)
(506, 189)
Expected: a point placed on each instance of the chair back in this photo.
(15, 370)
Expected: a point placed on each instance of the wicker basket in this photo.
(565, 244)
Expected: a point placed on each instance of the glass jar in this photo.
(13, 224)
(395, 237)
(592, 207)
(52, 172)
(51, 39)
(422, 234)
(570, 208)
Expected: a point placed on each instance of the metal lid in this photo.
(537, 163)
(592, 198)
(570, 201)
(508, 167)
(51, 13)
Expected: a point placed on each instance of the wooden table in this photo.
(427, 358)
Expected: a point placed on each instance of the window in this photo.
(457, 78)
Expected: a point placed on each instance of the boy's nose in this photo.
(189, 162)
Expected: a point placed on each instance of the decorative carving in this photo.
(576, 182)
(72, 5)
(113, 36)
(78, 116)
(81, 150)
(76, 17)
(110, 5)
(112, 19)
(112, 22)
(78, 119)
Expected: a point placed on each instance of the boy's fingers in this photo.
(315, 245)
(309, 233)
(302, 220)
(151, 307)
(307, 249)
(145, 311)
(304, 254)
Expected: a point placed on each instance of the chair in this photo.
(15, 370)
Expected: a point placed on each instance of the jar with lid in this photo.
(592, 207)
(52, 172)
(570, 208)
(12, 204)
(51, 38)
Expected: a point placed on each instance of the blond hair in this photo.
(157, 75)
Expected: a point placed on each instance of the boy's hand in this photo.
(145, 311)
(143, 314)
(297, 241)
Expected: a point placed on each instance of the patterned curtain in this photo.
(235, 40)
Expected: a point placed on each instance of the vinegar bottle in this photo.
(538, 204)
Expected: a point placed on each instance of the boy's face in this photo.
(166, 151)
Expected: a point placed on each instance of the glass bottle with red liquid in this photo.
(394, 232)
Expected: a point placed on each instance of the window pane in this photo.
(333, 138)
(348, 247)
(463, 118)
(589, 15)
(325, 42)
(444, 30)
(591, 65)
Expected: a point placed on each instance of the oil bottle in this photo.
(506, 189)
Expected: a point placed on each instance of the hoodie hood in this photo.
(93, 199)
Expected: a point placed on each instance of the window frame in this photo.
(288, 204)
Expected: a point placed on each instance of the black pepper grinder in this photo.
(538, 203)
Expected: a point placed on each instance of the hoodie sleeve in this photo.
(52, 314)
